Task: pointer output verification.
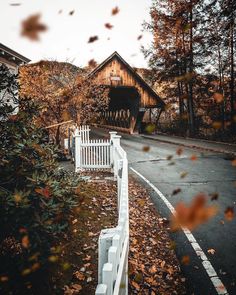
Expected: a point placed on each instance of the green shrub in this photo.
(36, 200)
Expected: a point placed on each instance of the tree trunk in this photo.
(190, 100)
(58, 135)
(232, 98)
(221, 89)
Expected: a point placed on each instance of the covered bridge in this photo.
(131, 98)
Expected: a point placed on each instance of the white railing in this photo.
(94, 154)
(114, 242)
(83, 132)
(113, 245)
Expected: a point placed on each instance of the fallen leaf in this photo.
(153, 269)
(80, 276)
(229, 213)
(163, 264)
(211, 251)
(135, 285)
(92, 39)
(141, 202)
(76, 287)
(185, 260)
(87, 258)
(31, 27)
(74, 221)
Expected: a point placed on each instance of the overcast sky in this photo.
(67, 36)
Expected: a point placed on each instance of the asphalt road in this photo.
(210, 173)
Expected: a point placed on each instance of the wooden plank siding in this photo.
(115, 66)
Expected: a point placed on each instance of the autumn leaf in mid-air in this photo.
(234, 163)
(146, 148)
(108, 26)
(150, 128)
(193, 215)
(31, 27)
(15, 4)
(25, 242)
(229, 213)
(183, 174)
(214, 196)
(92, 39)
(71, 12)
(115, 10)
(179, 151)
(217, 125)
(140, 37)
(193, 158)
(92, 63)
(176, 191)
(218, 97)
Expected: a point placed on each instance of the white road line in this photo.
(219, 286)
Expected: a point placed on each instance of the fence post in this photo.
(101, 289)
(69, 143)
(107, 278)
(77, 150)
(104, 243)
(116, 143)
(119, 179)
(112, 134)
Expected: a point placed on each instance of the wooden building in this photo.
(131, 98)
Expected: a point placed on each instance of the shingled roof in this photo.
(132, 71)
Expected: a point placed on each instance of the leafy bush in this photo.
(36, 200)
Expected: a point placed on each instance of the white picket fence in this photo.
(83, 132)
(113, 245)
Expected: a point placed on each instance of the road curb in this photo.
(191, 146)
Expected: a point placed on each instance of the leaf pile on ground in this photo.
(153, 266)
(97, 211)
